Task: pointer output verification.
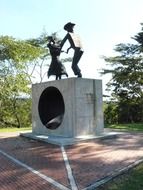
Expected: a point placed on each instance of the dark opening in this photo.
(51, 108)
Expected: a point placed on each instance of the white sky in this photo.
(101, 24)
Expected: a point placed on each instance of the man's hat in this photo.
(68, 25)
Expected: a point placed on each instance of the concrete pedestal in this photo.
(80, 102)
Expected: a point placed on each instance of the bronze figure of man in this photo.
(75, 43)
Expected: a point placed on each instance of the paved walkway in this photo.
(30, 165)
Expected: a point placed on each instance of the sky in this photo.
(101, 24)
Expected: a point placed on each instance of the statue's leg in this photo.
(77, 55)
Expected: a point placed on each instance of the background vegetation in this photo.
(126, 86)
(19, 59)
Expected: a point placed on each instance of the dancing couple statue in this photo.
(56, 67)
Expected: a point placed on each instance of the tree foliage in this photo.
(15, 56)
(127, 80)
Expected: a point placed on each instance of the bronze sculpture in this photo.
(75, 43)
(56, 67)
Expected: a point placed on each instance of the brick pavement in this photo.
(15, 177)
(90, 161)
(42, 157)
(95, 160)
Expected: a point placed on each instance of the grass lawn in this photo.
(12, 129)
(138, 127)
(133, 180)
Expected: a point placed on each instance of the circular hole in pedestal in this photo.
(51, 108)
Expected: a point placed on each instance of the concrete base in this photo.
(77, 101)
(63, 141)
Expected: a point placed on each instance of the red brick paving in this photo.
(45, 158)
(94, 160)
(90, 161)
(15, 177)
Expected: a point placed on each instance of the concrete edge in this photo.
(63, 141)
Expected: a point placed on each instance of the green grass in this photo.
(133, 180)
(12, 129)
(138, 127)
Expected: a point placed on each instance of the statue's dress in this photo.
(56, 67)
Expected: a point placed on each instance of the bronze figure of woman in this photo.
(56, 67)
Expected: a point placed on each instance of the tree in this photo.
(14, 80)
(127, 79)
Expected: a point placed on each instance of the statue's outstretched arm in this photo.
(63, 41)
